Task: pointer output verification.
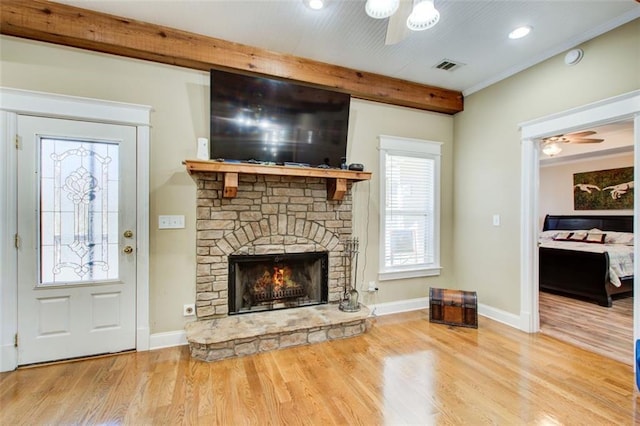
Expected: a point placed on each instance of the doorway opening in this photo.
(608, 111)
(586, 285)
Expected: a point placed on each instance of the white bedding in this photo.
(620, 255)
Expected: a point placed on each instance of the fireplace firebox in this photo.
(277, 281)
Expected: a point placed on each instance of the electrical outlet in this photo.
(372, 287)
(189, 310)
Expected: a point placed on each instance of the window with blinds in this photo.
(410, 207)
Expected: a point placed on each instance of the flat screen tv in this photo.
(264, 120)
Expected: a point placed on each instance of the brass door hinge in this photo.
(15, 340)
(16, 241)
(17, 142)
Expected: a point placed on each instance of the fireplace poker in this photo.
(356, 245)
(350, 302)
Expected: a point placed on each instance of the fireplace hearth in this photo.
(277, 281)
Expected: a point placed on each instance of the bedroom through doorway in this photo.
(585, 296)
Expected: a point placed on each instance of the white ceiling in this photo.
(473, 32)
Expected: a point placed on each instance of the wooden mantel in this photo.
(336, 178)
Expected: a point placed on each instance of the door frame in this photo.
(618, 108)
(14, 102)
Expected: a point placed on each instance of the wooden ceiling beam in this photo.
(71, 26)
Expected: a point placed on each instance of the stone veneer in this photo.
(270, 214)
(248, 334)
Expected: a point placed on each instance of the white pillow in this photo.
(547, 235)
(625, 238)
(563, 236)
(595, 237)
(578, 236)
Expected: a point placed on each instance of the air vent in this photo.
(448, 65)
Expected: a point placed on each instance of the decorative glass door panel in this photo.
(78, 211)
(76, 222)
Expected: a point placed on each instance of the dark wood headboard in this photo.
(578, 222)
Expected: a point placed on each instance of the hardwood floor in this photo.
(405, 370)
(606, 331)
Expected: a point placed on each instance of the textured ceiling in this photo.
(473, 32)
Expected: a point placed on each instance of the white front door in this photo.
(77, 242)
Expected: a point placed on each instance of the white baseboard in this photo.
(407, 305)
(499, 315)
(167, 339)
(8, 358)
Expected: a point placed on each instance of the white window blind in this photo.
(410, 207)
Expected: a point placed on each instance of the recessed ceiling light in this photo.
(520, 32)
(315, 4)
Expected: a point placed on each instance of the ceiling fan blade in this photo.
(581, 140)
(580, 134)
(397, 25)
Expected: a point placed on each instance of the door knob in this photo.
(128, 249)
(128, 233)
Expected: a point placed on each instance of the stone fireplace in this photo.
(269, 215)
(267, 240)
(268, 282)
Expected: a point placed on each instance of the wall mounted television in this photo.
(259, 119)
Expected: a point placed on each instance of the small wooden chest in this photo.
(453, 307)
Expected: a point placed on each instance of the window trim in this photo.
(420, 148)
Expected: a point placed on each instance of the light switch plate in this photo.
(171, 222)
(496, 220)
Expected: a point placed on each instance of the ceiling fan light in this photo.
(551, 149)
(423, 16)
(380, 9)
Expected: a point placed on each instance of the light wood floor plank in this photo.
(607, 331)
(405, 370)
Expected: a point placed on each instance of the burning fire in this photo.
(277, 280)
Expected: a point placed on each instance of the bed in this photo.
(586, 267)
